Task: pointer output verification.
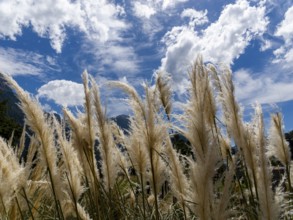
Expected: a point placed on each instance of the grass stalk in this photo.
(28, 203)
(19, 209)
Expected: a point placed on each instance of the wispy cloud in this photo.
(155, 15)
(271, 86)
(195, 17)
(112, 57)
(21, 62)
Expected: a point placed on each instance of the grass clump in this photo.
(95, 171)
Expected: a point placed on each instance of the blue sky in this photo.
(46, 44)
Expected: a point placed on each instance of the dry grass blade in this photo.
(93, 170)
(163, 87)
(35, 118)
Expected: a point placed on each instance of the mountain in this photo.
(11, 117)
(123, 121)
(8, 96)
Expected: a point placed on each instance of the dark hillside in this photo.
(11, 117)
(8, 96)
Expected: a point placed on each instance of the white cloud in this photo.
(20, 62)
(154, 6)
(264, 89)
(100, 23)
(221, 42)
(152, 14)
(62, 92)
(142, 10)
(284, 54)
(196, 17)
(123, 79)
(170, 3)
(285, 28)
(117, 106)
(113, 57)
(98, 20)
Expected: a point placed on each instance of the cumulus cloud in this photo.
(170, 3)
(98, 20)
(62, 92)
(147, 8)
(195, 17)
(284, 54)
(221, 42)
(142, 10)
(265, 88)
(100, 23)
(21, 62)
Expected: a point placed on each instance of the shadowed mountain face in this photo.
(11, 102)
(122, 121)
(11, 117)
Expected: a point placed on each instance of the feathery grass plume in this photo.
(120, 141)
(200, 111)
(278, 146)
(282, 199)
(163, 87)
(225, 147)
(21, 145)
(12, 178)
(268, 207)
(221, 209)
(69, 208)
(233, 120)
(135, 102)
(35, 119)
(236, 128)
(73, 172)
(138, 157)
(88, 111)
(153, 135)
(201, 185)
(78, 135)
(33, 160)
(201, 86)
(200, 130)
(79, 139)
(36, 192)
(231, 110)
(150, 132)
(89, 124)
(83, 140)
(178, 180)
(251, 156)
(107, 147)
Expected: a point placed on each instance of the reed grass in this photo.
(95, 171)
